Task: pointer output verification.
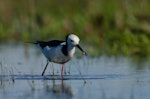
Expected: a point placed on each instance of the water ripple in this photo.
(72, 77)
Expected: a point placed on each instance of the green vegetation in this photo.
(112, 27)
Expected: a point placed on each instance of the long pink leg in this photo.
(62, 70)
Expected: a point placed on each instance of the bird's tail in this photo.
(32, 42)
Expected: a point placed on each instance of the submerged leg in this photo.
(45, 68)
(62, 70)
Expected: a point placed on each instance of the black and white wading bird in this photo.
(58, 51)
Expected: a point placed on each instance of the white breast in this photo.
(54, 54)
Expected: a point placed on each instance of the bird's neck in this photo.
(70, 50)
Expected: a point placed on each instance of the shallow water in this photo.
(85, 78)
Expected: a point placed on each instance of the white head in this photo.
(73, 40)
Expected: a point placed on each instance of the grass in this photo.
(112, 27)
(6, 75)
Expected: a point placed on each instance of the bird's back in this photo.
(52, 43)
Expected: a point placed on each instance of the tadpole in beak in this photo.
(81, 49)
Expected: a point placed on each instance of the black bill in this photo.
(81, 49)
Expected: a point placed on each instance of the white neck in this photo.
(71, 50)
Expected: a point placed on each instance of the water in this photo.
(85, 78)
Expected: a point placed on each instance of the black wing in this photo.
(51, 43)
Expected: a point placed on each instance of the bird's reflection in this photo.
(59, 89)
(54, 89)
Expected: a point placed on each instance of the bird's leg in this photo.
(45, 68)
(62, 70)
(52, 69)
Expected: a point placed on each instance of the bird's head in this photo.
(73, 40)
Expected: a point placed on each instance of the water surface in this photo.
(85, 77)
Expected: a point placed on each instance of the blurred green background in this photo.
(111, 27)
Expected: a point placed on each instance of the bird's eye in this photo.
(71, 40)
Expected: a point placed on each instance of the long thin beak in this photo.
(81, 49)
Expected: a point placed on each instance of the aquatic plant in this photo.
(6, 74)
